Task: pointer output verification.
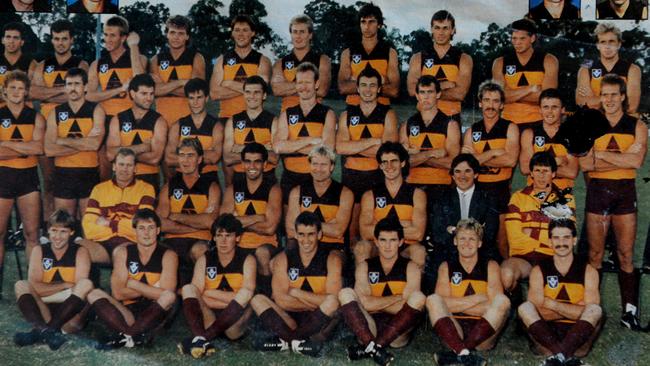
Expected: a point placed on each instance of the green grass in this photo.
(616, 346)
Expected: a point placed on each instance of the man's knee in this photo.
(434, 303)
(527, 312)
(329, 305)
(501, 302)
(166, 299)
(416, 300)
(82, 288)
(189, 291)
(592, 313)
(22, 287)
(95, 295)
(347, 295)
(244, 296)
(198, 250)
(260, 303)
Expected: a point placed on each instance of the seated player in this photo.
(107, 221)
(395, 199)
(468, 309)
(563, 314)
(216, 302)
(143, 285)
(188, 205)
(529, 212)
(306, 281)
(386, 303)
(53, 297)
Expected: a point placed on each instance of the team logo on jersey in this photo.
(47, 263)
(231, 61)
(356, 59)
(6, 123)
(552, 281)
(185, 130)
(476, 136)
(3, 69)
(288, 65)
(373, 277)
(293, 274)
(239, 197)
(178, 193)
(134, 267)
(596, 73)
(511, 69)
(306, 201)
(103, 68)
(380, 202)
(63, 116)
(428, 63)
(241, 124)
(293, 119)
(49, 69)
(164, 65)
(126, 127)
(540, 141)
(211, 272)
(354, 120)
(414, 130)
(457, 278)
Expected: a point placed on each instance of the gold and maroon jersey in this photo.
(59, 270)
(300, 126)
(138, 131)
(113, 75)
(387, 284)
(618, 139)
(428, 137)
(252, 203)
(496, 138)
(238, 69)
(70, 124)
(361, 127)
(19, 129)
(518, 76)
(189, 200)
(148, 273)
(225, 278)
(443, 68)
(311, 278)
(377, 59)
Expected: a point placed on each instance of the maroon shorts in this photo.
(113, 243)
(534, 258)
(611, 197)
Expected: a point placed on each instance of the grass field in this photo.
(616, 346)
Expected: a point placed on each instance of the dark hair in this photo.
(427, 80)
(525, 25)
(15, 26)
(243, 18)
(491, 86)
(18, 75)
(559, 223)
(307, 218)
(542, 158)
(613, 79)
(467, 158)
(308, 66)
(77, 72)
(195, 85)
(550, 93)
(390, 225)
(124, 151)
(256, 80)
(62, 218)
(145, 214)
(178, 21)
(120, 22)
(371, 10)
(255, 148)
(369, 72)
(141, 80)
(394, 148)
(228, 223)
(441, 16)
(192, 142)
(62, 25)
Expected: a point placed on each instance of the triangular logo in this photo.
(57, 277)
(250, 137)
(173, 75)
(611, 146)
(16, 135)
(241, 74)
(563, 295)
(224, 285)
(303, 131)
(114, 80)
(522, 80)
(143, 279)
(440, 75)
(426, 144)
(136, 140)
(487, 147)
(365, 134)
(551, 151)
(470, 290)
(74, 130)
(306, 286)
(387, 291)
(188, 207)
(250, 210)
(392, 214)
(319, 214)
(59, 80)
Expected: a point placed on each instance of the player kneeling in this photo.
(216, 302)
(53, 297)
(468, 309)
(386, 302)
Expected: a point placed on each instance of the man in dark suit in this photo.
(464, 199)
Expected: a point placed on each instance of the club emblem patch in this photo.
(354, 120)
(476, 136)
(103, 68)
(373, 277)
(178, 193)
(414, 130)
(511, 69)
(356, 59)
(134, 267)
(47, 263)
(3, 69)
(231, 61)
(211, 272)
(288, 65)
(428, 63)
(540, 141)
(380, 202)
(63, 116)
(552, 281)
(456, 278)
(293, 274)
(164, 65)
(6, 123)
(293, 119)
(126, 127)
(239, 197)
(49, 69)
(306, 201)
(241, 125)
(596, 73)
(185, 130)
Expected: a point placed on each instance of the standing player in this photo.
(198, 124)
(13, 58)
(432, 139)
(141, 129)
(449, 65)
(494, 142)
(369, 52)
(21, 142)
(73, 135)
(216, 302)
(468, 309)
(53, 297)
(386, 302)
(608, 42)
(525, 72)
(283, 81)
(173, 67)
(362, 129)
(611, 191)
(302, 127)
(143, 285)
(563, 314)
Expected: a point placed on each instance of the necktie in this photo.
(464, 206)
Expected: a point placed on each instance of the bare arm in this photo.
(367, 217)
(511, 154)
(202, 221)
(167, 279)
(584, 94)
(38, 90)
(94, 139)
(279, 84)
(169, 226)
(33, 147)
(345, 146)
(229, 156)
(536, 295)
(415, 231)
(50, 146)
(96, 95)
(551, 68)
(455, 304)
(325, 76)
(390, 86)
(120, 277)
(162, 87)
(157, 143)
(333, 282)
(346, 81)
(451, 150)
(463, 80)
(35, 276)
(280, 287)
(370, 303)
(217, 90)
(281, 144)
(336, 227)
(293, 210)
(634, 156)
(633, 88)
(212, 155)
(171, 158)
(414, 73)
(223, 298)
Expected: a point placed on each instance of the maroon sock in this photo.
(542, 334)
(629, 285)
(194, 316)
(446, 330)
(149, 319)
(110, 315)
(312, 325)
(276, 324)
(32, 313)
(68, 310)
(576, 337)
(401, 322)
(479, 334)
(229, 316)
(357, 322)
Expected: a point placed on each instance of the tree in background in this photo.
(210, 29)
(148, 20)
